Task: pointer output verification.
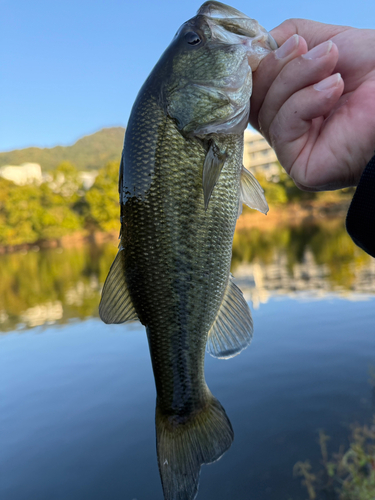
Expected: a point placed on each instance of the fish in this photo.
(182, 185)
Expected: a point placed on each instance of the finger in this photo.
(301, 72)
(296, 127)
(268, 70)
(313, 32)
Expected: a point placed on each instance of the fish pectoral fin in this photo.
(232, 329)
(252, 193)
(213, 165)
(116, 305)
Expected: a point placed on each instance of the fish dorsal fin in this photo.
(252, 193)
(116, 305)
(212, 167)
(232, 329)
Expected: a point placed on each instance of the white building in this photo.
(85, 180)
(22, 174)
(258, 156)
(88, 178)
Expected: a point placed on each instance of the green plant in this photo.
(347, 475)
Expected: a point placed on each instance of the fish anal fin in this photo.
(252, 193)
(183, 446)
(116, 305)
(232, 329)
(212, 167)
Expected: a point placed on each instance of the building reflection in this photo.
(259, 282)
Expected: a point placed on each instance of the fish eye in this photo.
(192, 38)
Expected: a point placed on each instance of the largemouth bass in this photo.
(182, 185)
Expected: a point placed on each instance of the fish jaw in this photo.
(229, 25)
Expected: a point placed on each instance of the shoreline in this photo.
(73, 240)
(293, 215)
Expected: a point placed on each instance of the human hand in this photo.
(314, 101)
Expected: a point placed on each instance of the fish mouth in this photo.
(219, 10)
(230, 26)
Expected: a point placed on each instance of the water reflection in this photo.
(55, 286)
(318, 259)
(51, 285)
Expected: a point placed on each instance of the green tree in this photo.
(31, 213)
(20, 213)
(66, 181)
(57, 217)
(103, 199)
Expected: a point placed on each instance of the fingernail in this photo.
(328, 83)
(288, 47)
(319, 51)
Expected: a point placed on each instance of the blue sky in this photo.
(69, 68)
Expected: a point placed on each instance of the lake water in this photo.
(78, 397)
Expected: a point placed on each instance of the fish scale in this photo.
(192, 240)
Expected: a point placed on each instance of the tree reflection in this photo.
(61, 284)
(69, 277)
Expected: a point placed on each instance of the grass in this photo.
(348, 474)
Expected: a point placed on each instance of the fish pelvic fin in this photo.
(232, 329)
(185, 444)
(116, 305)
(252, 193)
(212, 167)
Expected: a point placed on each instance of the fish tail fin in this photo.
(184, 445)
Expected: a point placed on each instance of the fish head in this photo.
(208, 85)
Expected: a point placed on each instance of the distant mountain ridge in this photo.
(91, 152)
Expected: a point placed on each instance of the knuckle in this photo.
(275, 131)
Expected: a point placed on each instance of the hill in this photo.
(88, 153)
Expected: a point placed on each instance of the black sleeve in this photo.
(360, 221)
